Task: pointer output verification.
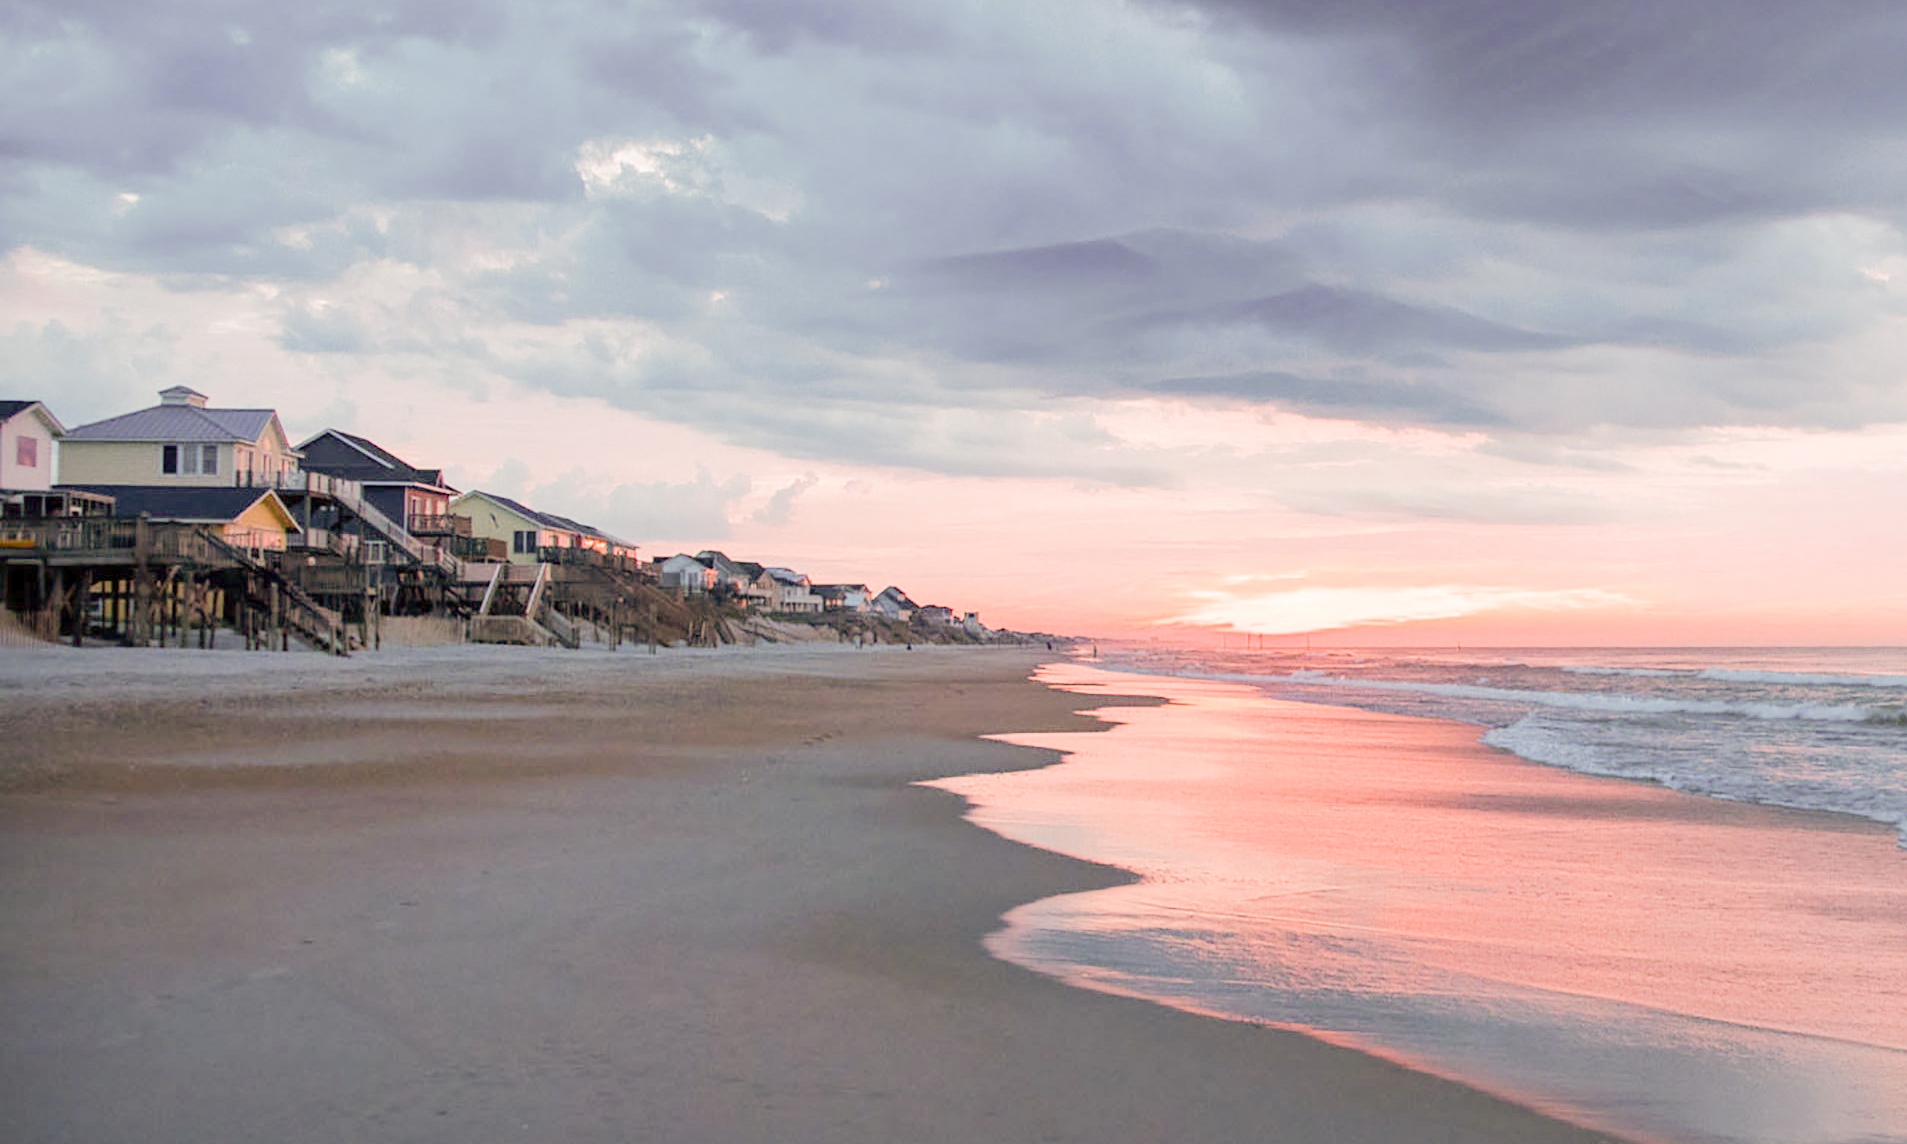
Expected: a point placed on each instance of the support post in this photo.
(82, 595)
(139, 632)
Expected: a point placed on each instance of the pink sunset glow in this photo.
(1225, 400)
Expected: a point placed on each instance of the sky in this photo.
(1392, 321)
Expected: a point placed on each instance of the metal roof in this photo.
(181, 503)
(179, 423)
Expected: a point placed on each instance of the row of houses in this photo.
(335, 503)
(711, 572)
(186, 448)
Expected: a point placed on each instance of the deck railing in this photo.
(438, 524)
(165, 541)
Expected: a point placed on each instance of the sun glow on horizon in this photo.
(1315, 609)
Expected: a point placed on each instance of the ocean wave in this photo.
(1586, 700)
(1801, 678)
(1638, 672)
(1531, 739)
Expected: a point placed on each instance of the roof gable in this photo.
(12, 409)
(515, 508)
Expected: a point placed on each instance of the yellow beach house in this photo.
(181, 442)
(524, 531)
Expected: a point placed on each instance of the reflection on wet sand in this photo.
(1647, 961)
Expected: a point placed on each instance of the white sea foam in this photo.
(1815, 730)
(1801, 678)
(1538, 741)
(1614, 703)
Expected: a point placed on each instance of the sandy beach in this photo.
(547, 896)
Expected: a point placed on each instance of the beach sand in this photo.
(470, 895)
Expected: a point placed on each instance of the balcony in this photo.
(438, 524)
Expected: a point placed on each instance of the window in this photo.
(168, 458)
(27, 456)
(525, 542)
(210, 463)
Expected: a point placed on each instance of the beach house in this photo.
(253, 519)
(686, 573)
(589, 538)
(29, 434)
(417, 498)
(794, 592)
(180, 442)
(894, 604)
(844, 597)
(523, 532)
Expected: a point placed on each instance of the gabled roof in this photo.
(840, 589)
(340, 454)
(549, 519)
(786, 575)
(897, 596)
(187, 504)
(11, 409)
(179, 423)
(720, 562)
(525, 511)
(579, 527)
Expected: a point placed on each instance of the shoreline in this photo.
(656, 929)
(1850, 821)
(1197, 911)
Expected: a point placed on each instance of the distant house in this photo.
(728, 574)
(936, 615)
(758, 587)
(244, 518)
(971, 622)
(894, 604)
(181, 441)
(844, 597)
(29, 434)
(686, 573)
(793, 591)
(416, 498)
(524, 530)
(595, 539)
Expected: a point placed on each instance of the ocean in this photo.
(1808, 728)
(1621, 954)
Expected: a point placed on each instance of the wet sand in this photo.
(564, 896)
(1649, 961)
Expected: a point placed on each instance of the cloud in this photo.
(689, 511)
(780, 506)
(942, 238)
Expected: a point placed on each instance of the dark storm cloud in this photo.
(1604, 113)
(1484, 66)
(934, 235)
